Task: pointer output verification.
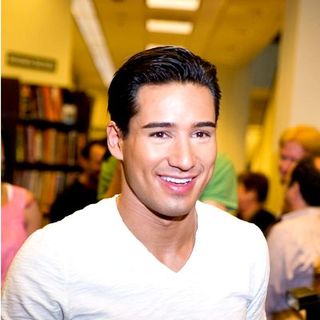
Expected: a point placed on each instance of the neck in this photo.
(170, 240)
(298, 205)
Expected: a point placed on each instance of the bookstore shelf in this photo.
(41, 166)
(43, 131)
(44, 124)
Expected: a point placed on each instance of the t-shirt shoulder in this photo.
(224, 223)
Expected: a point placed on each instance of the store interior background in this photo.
(266, 52)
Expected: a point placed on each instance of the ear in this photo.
(295, 191)
(83, 162)
(114, 140)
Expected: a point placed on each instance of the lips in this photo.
(179, 186)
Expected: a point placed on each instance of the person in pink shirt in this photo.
(20, 216)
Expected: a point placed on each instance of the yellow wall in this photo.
(235, 86)
(40, 28)
(99, 117)
(265, 159)
(296, 93)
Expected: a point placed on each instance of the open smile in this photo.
(181, 186)
(176, 180)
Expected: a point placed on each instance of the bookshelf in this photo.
(43, 131)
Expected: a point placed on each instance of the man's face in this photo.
(93, 164)
(290, 154)
(246, 199)
(169, 153)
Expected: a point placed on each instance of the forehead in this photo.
(97, 151)
(293, 150)
(173, 99)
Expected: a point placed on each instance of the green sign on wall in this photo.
(30, 62)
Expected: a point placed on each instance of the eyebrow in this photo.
(170, 124)
(205, 124)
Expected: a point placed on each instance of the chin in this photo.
(174, 212)
(282, 180)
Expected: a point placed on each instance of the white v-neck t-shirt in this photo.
(90, 266)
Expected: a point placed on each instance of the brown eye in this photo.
(159, 134)
(202, 134)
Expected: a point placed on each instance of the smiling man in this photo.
(154, 251)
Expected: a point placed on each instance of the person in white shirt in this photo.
(294, 242)
(154, 251)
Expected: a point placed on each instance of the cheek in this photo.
(241, 199)
(212, 160)
(138, 159)
(284, 162)
(280, 163)
(207, 152)
(287, 197)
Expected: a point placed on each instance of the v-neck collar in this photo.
(143, 250)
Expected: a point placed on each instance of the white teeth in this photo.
(175, 180)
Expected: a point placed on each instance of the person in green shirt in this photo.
(221, 189)
(109, 175)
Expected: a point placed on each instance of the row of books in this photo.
(46, 103)
(49, 146)
(45, 185)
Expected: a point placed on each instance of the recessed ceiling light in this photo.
(169, 26)
(190, 5)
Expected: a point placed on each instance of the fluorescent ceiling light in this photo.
(85, 16)
(190, 5)
(152, 45)
(155, 45)
(169, 26)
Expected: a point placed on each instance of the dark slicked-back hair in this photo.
(85, 152)
(307, 174)
(160, 65)
(255, 181)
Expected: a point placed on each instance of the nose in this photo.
(182, 155)
(285, 165)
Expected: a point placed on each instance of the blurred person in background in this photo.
(83, 191)
(20, 216)
(294, 144)
(294, 242)
(253, 190)
(221, 190)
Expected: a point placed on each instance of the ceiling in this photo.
(226, 32)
